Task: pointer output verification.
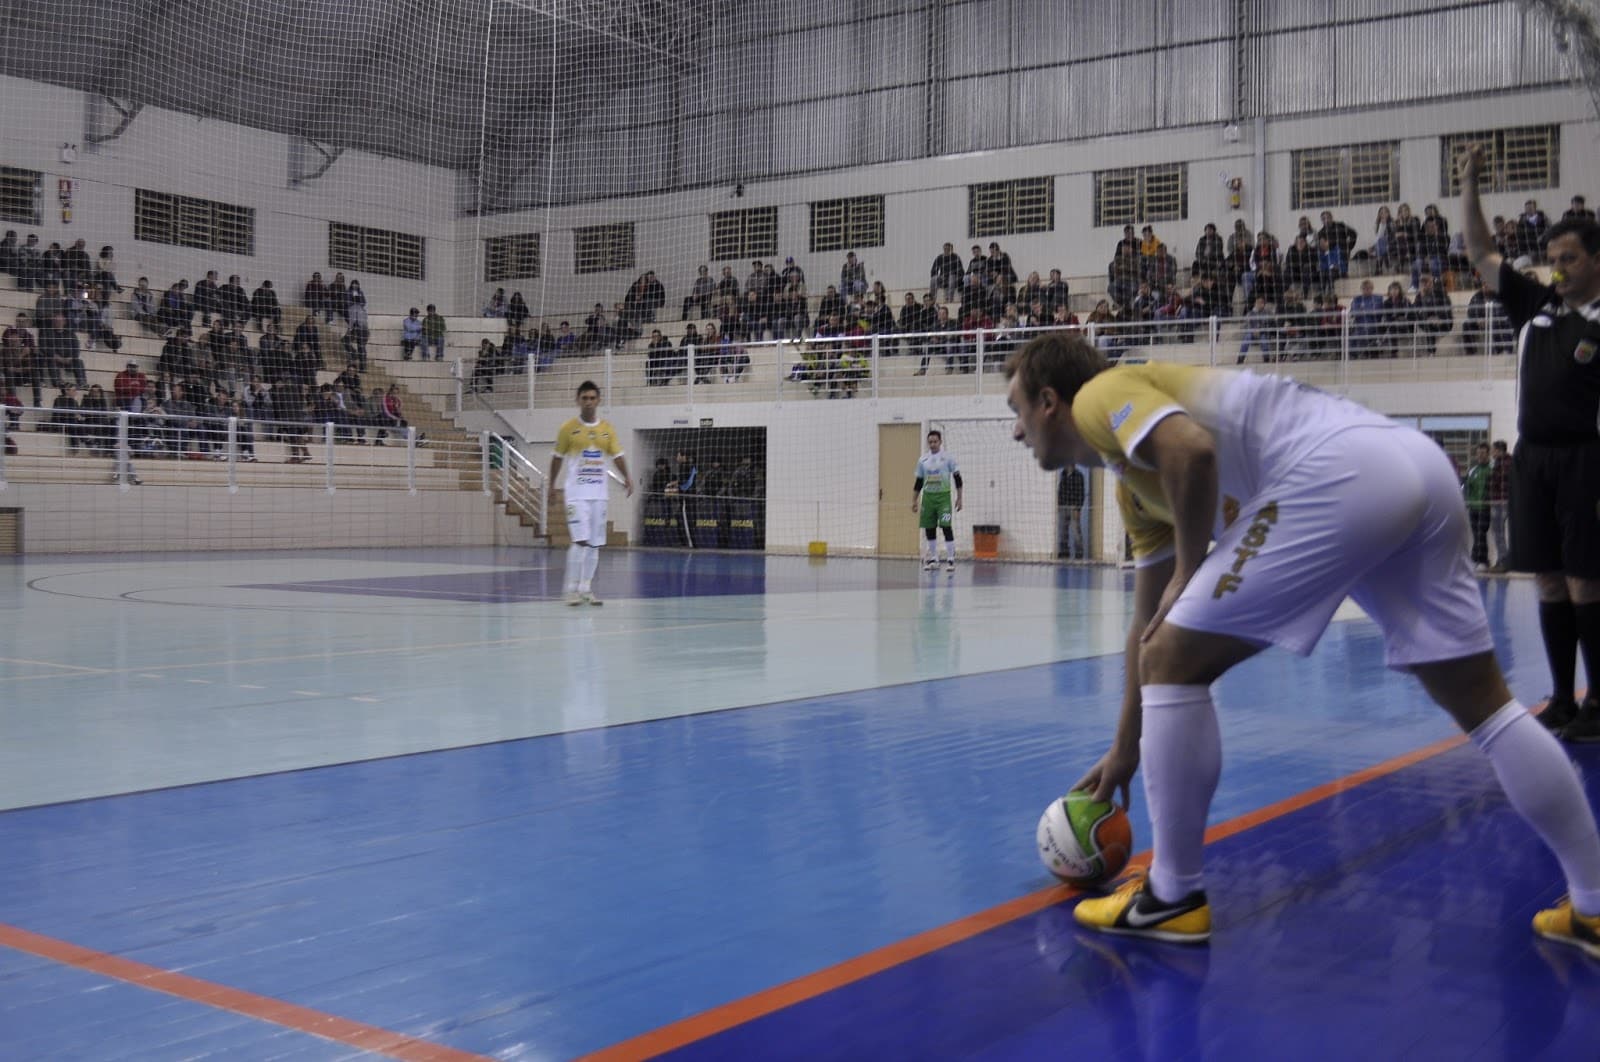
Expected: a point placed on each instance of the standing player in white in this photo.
(1309, 498)
(586, 441)
(936, 472)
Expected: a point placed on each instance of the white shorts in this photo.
(1374, 513)
(586, 520)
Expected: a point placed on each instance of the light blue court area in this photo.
(738, 772)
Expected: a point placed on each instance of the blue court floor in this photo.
(407, 803)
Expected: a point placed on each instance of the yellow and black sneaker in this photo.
(1564, 925)
(1133, 910)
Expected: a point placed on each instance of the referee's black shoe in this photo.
(1559, 712)
(1585, 727)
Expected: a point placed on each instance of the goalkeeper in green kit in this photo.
(936, 473)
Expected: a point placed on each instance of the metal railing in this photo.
(1339, 347)
(67, 443)
(513, 480)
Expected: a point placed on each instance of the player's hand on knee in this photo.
(1112, 773)
(1169, 597)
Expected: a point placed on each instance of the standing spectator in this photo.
(66, 417)
(146, 306)
(1300, 266)
(1382, 240)
(433, 330)
(496, 306)
(128, 385)
(1531, 226)
(1366, 322)
(1124, 275)
(30, 264)
(1556, 467)
(1579, 210)
(1209, 254)
(853, 275)
(106, 270)
(264, 306)
(1055, 294)
(75, 263)
(1337, 233)
(1407, 235)
(700, 295)
(792, 273)
(1071, 496)
(1431, 251)
(315, 297)
(644, 298)
(946, 273)
(516, 310)
(338, 297)
(1475, 489)
(978, 265)
(355, 313)
(19, 359)
(1331, 263)
(307, 349)
(1001, 276)
(410, 335)
(10, 260)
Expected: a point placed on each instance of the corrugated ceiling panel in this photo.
(1199, 19)
(818, 135)
(976, 113)
(977, 39)
(893, 124)
(1196, 84)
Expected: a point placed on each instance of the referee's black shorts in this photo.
(1555, 509)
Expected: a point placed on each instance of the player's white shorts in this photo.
(586, 520)
(1374, 513)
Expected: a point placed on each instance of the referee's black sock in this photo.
(1588, 626)
(1558, 622)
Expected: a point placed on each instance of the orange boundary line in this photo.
(739, 1011)
(248, 1004)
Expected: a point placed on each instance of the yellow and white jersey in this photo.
(1262, 425)
(584, 450)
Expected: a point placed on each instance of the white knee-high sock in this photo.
(575, 554)
(1181, 754)
(591, 559)
(1543, 787)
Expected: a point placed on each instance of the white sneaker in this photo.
(590, 599)
(949, 564)
(574, 598)
(930, 564)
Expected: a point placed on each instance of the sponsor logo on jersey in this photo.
(1120, 417)
(1583, 354)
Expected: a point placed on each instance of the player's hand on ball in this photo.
(1114, 771)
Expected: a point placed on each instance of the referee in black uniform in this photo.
(1555, 471)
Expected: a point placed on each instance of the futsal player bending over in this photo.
(936, 471)
(586, 441)
(1309, 498)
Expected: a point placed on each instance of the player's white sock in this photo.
(1181, 753)
(575, 554)
(950, 548)
(591, 560)
(1543, 787)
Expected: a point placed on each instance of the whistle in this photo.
(1557, 276)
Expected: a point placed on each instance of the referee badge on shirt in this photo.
(1583, 353)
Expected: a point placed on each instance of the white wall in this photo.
(926, 200)
(822, 458)
(61, 517)
(164, 151)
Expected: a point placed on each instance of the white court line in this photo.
(47, 663)
(306, 693)
(365, 700)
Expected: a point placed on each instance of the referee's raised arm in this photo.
(1480, 242)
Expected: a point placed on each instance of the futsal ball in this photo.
(1084, 841)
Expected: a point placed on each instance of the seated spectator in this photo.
(433, 330)
(1056, 293)
(753, 323)
(393, 417)
(1407, 235)
(1487, 329)
(1150, 246)
(566, 342)
(99, 426)
(206, 300)
(1397, 317)
(274, 360)
(879, 318)
(264, 306)
(58, 347)
(946, 273)
(938, 343)
(306, 346)
(485, 367)
(20, 366)
(1331, 263)
(728, 286)
(853, 275)
(1300, 266)
(1431, 311)
(1367, 328)
(355, 312)
(235, 305)
(596, 329)
(791, 273)
(410, 334)
(700, 295)
(1326, 326)
(1029, 292)
(732, 360)
(1579, 210)
(999, 274)
(10, 258)
(30, 264)
(315, 297)
(1125, 274)
(98, 320)
(1101, 322)
(176, 311)
(1266, 282)
(644, 298)
(496, 306)
(67, 418)
(1431, 251)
